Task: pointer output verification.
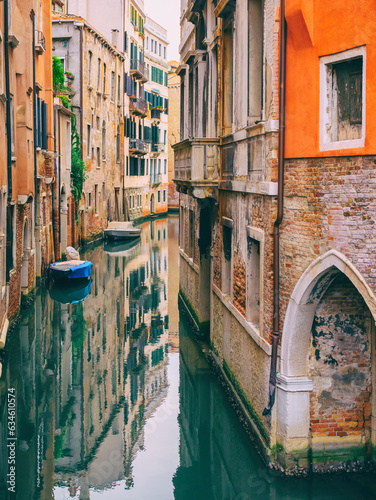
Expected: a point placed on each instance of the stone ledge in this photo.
(263, 188)
(189, 261)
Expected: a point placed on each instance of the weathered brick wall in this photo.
(340, 363)
(239, 284)
(329, 204)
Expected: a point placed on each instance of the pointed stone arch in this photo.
(302, 306)
(294, 386)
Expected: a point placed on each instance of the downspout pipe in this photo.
(35, 132)
(279, 219)
(8, 108)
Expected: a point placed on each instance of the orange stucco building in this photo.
(318, 29)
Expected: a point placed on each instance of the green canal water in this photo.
(114, 399)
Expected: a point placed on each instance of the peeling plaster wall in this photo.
(340, 364)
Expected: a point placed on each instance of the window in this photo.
(96, 198)
(147, 43)
(164, 195)
(99, 76)
(342, 100)
(181, 227)
(160, 50)
(165, 167)
(88, 140)
(118, 89)
(112, 92)
(92, 154)
(118, 145)
(255, 63)
(159, 196)
(104, 140)
(255, 245)
(228, 39)
(89, 200)
(159, 166)
(191, 235)
(90, 64)
(165, 138)
(227, 256)
(98, 157)
(164, 52)
(152, 45)
(104, 77)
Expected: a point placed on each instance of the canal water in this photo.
(115, 400)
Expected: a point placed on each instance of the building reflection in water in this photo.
(103, 411)
(88, 373)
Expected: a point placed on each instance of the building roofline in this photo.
(58, 18)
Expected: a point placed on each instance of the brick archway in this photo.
(295, 388)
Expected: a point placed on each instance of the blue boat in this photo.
(73, 292)
(71, 270)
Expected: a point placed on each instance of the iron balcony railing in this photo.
(156, 114)
(139, 70)
(40, 41)
(139, 147)
(138, 106)
(158, 148)
(155, 179)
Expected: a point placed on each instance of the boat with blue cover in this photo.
(71, 270)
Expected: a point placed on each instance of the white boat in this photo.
(121, 231)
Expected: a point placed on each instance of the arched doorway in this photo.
(152, 203)
(26, 245)
(324, 399)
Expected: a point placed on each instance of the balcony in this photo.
(155, 179)
(40, 42)
(157, 149)
(194, 7)
(156, 115)
(138, 107)
(138, 147)
(196, 167)
(139, 70)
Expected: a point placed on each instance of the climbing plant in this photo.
(78, 167)
(58, 79)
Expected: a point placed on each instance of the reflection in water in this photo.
(108, 406)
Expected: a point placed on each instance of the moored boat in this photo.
(71, 270)
(121, 231)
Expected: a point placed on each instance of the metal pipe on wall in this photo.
(278, 221)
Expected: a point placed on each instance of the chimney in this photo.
(115, 37)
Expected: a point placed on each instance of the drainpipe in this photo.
(9, 250)
(8, 110)
(35, 134)
(278, 221)
(81, 28)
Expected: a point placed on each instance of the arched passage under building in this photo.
(26, 247)
(324, 400)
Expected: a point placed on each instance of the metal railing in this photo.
(138, 106)
(156, 179)
(139, 146)
(40, 41)
(139, 70)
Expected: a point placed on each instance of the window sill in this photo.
(334, 146)
(189, 260)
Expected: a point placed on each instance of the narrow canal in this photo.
(115, 400)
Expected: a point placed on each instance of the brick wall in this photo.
(239, 284)
(329, 204)
(340, 363)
